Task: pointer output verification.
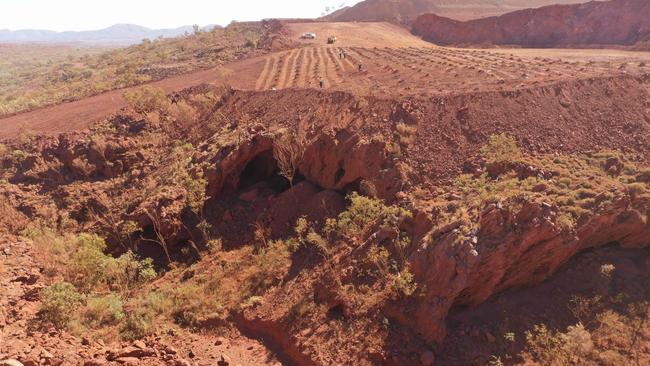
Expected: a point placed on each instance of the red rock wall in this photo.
(619, 22)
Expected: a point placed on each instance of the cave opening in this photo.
(263, 170)
(148, 246)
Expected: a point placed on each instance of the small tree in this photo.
(288, 152)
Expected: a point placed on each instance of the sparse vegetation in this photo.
(608, 341)
(34, 76)
(501, 149)
(147, 99)
(82, 261)
(288, 152)
(60, 303)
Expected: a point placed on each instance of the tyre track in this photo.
(268, 83)
(333, 67)
(277, 70)
(261, 80)
(324, 67)
(348, 59)
(303, 70)
(284, 69)
(335, 54)
(292, 75)
(313, 68)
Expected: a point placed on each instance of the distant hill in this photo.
(403, 11)
(122, 34)
(617, 22)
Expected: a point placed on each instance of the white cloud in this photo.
(92, 14)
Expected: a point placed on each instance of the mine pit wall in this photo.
(571, 116)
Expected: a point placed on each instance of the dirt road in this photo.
(79, 114)
(358, 34)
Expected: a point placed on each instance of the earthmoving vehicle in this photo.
(331, 40)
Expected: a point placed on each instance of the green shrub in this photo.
(252, 301)
(194, 302)
(501, 149)
(404, 283)
(127, 271)
(364, 210)
(147, 99)
(637, 189)
(406, 134)
(183, 114)
(103, 311)
(60, 303)
(138, 324)
(270, 264)
(88, 263)
(158, 303)
(82, 260)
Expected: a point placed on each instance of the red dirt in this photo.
(517, 311)
(399, 130)
(428, 71)
(551, 26)
(408, 69)
(79, 114)
(403, 11)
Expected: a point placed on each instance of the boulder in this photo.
(427, 358)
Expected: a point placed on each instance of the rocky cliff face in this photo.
(406, 10)
(514, 248)
(617, 22)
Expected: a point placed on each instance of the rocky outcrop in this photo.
(512, 248)
(551, 26)
(337, 162)
(405, 10)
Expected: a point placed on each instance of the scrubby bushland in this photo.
(32, 77)
(96, 284)
(204, 201)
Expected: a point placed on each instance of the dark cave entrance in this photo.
(263, 170)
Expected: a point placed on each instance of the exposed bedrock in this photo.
(511, 249)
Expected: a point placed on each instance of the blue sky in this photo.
(63, 15)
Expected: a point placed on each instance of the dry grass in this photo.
(32, 77)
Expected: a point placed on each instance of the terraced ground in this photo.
(423, 71)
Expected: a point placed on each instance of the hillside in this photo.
(118, 34)
(370, 200)
(199, 235)
(32, 76)
(403, 11)
(551, 26)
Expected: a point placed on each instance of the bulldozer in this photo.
(331, 40)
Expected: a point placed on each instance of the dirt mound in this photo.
(551, 26)
(403, 11)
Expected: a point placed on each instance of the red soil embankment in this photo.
(617, 22)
